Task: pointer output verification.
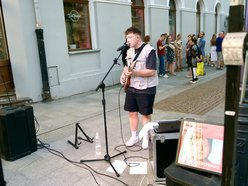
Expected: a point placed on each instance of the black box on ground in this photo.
(17, 132)
(179, 176)
(163, 146)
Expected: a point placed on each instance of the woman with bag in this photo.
(196, 57)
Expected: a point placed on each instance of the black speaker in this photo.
(31, 127)
(2, 182)
(179, 176)
(241, 169)
(17, 132)
(163, 147)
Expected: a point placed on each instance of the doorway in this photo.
(6, 78)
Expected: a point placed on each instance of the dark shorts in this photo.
(142, 103)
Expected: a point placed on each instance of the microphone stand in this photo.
(101, 85)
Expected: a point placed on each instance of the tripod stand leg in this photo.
(75, 144)
(87, 137)
(118, 154)
(108, 159)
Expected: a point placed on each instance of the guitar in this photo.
(128, 78)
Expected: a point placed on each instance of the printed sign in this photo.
(232, 48)
(200, 146)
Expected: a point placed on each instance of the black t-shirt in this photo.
(150, 60)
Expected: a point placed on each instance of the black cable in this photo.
(37, 126)
(139, 147)
(41, 145)
(123, 141)
(61, 155)
(132, 150)
(90, 169)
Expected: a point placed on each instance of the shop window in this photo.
(6, 80)
(77, 24)
(138, 15)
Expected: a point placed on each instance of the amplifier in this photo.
(2, 182)
(17, 132)
(179, 176)
(163, 147)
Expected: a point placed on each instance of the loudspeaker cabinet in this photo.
(162, 152)
(17, 132)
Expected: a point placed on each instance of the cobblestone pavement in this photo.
(197, 100)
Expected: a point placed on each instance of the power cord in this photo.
(129, 149)
(61, 155)
(121, 128)
(41, 145)
(87, 167)
(37, 126)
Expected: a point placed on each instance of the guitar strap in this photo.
(138, 53)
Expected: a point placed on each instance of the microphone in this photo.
(122, 47)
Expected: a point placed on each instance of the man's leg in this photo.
(161, 65)
(219, 58)
(134, 122)
(145, 120)
(192, 73)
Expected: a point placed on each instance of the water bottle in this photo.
(98, 147)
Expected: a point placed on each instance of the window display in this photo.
(77, 24)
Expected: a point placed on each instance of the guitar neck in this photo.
(131, 66)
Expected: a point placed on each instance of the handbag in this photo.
(200, 69)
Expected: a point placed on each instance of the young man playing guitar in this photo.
(140, 92)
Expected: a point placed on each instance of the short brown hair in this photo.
(146, 38)
(194, 39)
(133, 30)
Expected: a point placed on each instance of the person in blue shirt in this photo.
(201, 45)
(219, 41)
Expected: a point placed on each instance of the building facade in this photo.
(58, 48)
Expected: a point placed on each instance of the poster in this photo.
(201, 146)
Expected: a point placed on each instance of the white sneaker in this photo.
(166, 76)
(145, 142)
(192, 81)
(132, 141)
